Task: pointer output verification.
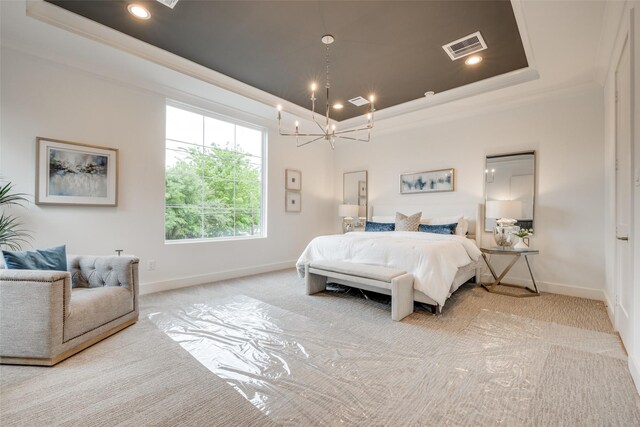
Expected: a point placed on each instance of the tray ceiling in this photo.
(390, 48)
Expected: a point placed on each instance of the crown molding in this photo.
(484, 103)
(612, 22)
(501, 81)
(488, 85)
(62, 18)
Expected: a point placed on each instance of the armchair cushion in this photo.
(94, 307)
(40, 259)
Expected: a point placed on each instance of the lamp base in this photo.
(503, 234)
(347, 225)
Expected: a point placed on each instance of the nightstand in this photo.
(515, 254)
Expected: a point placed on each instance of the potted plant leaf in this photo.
(12, 236)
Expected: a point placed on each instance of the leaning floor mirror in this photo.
(354, 199)
(510, 189)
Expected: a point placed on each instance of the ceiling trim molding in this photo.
(62, 18)
(518, 12)
(69, 21)
(613, 22)
(488, 85)
(491, 84)
(454, 111)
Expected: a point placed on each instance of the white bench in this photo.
(390, 281)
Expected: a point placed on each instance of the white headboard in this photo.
(472, 212)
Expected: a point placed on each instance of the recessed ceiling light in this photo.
(338, 106)
(138, 11)
(429, 93)
(473, 60)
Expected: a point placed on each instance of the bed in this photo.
(439, 263)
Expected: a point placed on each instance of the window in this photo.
(214, 169)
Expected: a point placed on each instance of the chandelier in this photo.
(328, 131)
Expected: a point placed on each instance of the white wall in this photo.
(565, 128)
(49, 99)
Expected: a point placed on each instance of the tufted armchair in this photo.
(47, 316)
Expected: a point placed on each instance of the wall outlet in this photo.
(151, 265)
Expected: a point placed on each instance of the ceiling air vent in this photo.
(168, 3)
(358, 101)
(465, 46)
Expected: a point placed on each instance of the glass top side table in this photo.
(515, 254)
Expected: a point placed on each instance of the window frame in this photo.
(263, 173)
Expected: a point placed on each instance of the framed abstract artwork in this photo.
(69, 173)
(293, 180)
(428, 182)
(293, 201)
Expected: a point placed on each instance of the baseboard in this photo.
(634, 367)
(555, 288)
(183, 282)
(610, 308)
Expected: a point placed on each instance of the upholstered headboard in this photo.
(472, 212)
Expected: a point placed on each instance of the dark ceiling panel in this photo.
(390, 48)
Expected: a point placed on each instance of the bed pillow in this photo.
(461, 229)
(407, 223)
(379, 226)
(439, 228)
(40, 259)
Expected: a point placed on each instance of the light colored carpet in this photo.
(257, 351)
(136, 377)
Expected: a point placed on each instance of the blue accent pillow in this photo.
(40, 259)
(438, 229)
(379, 226)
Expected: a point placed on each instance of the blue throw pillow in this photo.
(379, 226)
(40, 259)
(439, 228)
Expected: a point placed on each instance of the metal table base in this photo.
(491, 287)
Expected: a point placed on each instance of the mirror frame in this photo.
(366, 199)
(535, 184)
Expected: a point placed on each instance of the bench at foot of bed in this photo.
(390, 281)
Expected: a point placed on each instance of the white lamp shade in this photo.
(504, 209)
(348, 211)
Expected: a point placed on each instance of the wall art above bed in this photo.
(69, 173)
(435, 181)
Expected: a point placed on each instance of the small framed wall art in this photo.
(293, 180)
(293, 201)
(70, 173)
(428, 182)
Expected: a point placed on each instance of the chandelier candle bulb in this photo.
(328, 133)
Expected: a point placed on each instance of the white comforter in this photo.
(433, 259)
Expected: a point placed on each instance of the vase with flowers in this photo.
(522, 238)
